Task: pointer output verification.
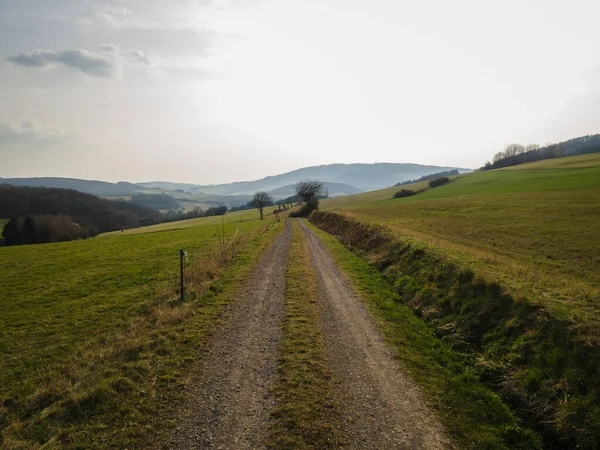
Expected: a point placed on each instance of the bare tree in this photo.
(310, 189)
(260, 201)
(513, 150)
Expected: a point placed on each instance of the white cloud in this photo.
(93, 64)
(113, 15)
(108, 48)
(149, 59)
(30, 134)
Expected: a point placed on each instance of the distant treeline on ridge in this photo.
(432, 176)
(515, 154)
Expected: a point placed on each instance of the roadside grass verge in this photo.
(542, 364)
(305, 413)
(473, 415)
(106, 373)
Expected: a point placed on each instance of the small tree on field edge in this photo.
(309, 191)
(260, 201)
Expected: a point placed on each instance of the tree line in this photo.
(308, 193)
(432, 176)
(40, 215)
(197, 212)
(32, 208)
(515, 154)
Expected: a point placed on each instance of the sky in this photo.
(214, 91)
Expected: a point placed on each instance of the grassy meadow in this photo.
(534, 229)
(503, 265)
(83, 323)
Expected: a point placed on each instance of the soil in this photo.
(229, 406)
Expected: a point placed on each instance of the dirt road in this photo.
(382, 408)
(230, 406)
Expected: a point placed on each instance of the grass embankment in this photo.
(506, 277)
(305, 414)
(472, 414)
(94, 346)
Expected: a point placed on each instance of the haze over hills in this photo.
(341, 179)
(333, 189)
(364, 177)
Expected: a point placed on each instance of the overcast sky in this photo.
(209, 91)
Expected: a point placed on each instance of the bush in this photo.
(404, 193)
(439, 182)
(307, 208)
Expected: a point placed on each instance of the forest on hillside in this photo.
(41, 215)
(515, 154)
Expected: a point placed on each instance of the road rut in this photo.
(381, 407)
(229, 407)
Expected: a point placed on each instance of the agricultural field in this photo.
(82, 320)
(533, 227)
(502, 265)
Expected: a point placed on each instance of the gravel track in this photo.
(381, 407)
(229, 407)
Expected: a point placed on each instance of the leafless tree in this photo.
(310, 189)
(261, 200)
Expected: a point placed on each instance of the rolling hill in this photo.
(334, 189)
(364, 177)
(94, 187)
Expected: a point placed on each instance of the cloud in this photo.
(30, 134)
(149, 59)
(108, 48)
(114, 15)
(93, 64)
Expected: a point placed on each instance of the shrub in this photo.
(439, 182)
(307, 208)
(404, 193)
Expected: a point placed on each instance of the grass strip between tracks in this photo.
(305, 414)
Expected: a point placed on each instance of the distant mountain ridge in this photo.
(99, 188)
(365, 177)
(334, 190)
(342, 178)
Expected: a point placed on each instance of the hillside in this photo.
(99, 188)
(93, 214)
(503, 263)
(365, 177)
(334, 190)
(345, 179)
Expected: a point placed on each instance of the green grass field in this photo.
(238, 216)
(532, 228)
(503, 265)
(65, 307)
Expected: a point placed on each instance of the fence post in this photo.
(181, 280)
